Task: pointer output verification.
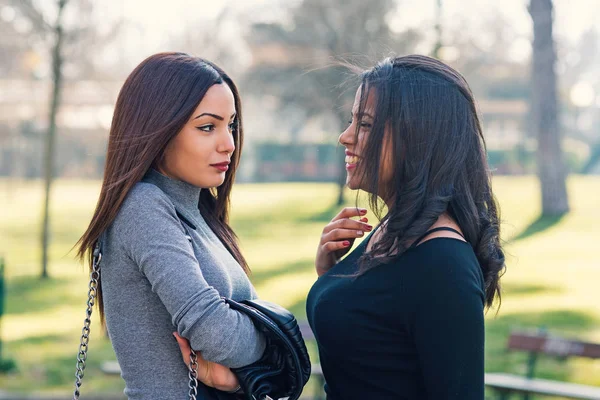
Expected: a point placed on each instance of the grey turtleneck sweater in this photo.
(159, 277)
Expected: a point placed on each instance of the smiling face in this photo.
(355, 144)
(200, 153)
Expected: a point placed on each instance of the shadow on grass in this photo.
(31, 294)
(564, 323)
(263, 224)
(526, 289)
(568, 321)
(352, 201)
(36, 341)
(325, 215)
(539, 225)
(263, 275)
(292, 211)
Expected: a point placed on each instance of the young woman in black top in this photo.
(402, 316)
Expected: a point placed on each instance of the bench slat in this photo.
(307, 333)
(111, 368)
(541, 386)
(553, 345)
(315, 369)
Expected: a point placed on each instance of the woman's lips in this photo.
(224, 166)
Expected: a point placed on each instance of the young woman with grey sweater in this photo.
(169, 255)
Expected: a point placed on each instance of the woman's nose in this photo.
(347, 136)
(227, 144)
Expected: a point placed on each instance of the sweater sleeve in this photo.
(448, 326)
(151, 234)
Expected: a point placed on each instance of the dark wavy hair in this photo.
(439, 161)
(154, 104)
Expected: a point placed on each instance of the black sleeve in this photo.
(448, 327)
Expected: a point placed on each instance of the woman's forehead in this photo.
(369, 101)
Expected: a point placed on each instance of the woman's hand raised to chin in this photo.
(209, 373)
(338, 237)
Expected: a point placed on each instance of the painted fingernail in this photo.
(359, 233)
(346, 243)
(364, 219)
(363, 211)
(369, 227)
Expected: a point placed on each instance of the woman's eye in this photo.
(366, 125)
(207, 128)
(233, 126)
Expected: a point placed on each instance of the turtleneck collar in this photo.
(183, 194)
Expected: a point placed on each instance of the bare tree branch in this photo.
(35, 16)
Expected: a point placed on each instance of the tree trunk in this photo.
(544, 109)
(57, 62)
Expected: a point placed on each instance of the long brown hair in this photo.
(155, 102)
(440, 163)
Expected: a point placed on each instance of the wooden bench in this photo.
(537, 343)
(111, 368)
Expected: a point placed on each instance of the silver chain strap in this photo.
(85, 332)
(193, 375)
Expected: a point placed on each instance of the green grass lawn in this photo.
(552, 276)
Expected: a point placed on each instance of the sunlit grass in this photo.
(552, 275)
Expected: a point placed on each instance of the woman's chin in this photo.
(351, 184)
(209, 183)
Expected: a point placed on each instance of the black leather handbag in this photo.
(284, 368)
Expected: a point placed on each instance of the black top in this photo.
(410, 329)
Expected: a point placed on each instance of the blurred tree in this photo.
(436, 52)
(215, 39)
(544, 108)
(495, 59)
(482, 54)
(580, 64)
(68, 41)
(56, 31)
(13, 44)
(593, 162)
(298, 63)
